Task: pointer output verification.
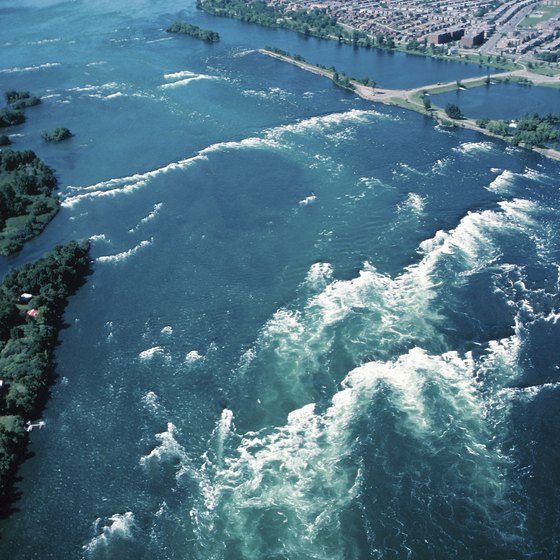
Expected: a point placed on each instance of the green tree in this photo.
(453, 111)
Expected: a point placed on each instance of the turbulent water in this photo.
(316, 328)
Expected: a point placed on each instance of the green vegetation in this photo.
(28, 334)
(530, 131)
(309, 22)
(10, 118)
(56, 135)
(26, 204)
(453, 111)
(339, 78)
(194, 31)
(549, 56)
(499, 127)
(541, 13)
(342, 80)
(533, 130)
(482, 123)
(19, 100)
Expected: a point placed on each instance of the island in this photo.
(32, 303)
(184, 28)
(26, 204)
(57, 135)
(8, 117)
(19, 100)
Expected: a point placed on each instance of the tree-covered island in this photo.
(184, 28)
(32, 302)
(26, 204)
(26, 183)
(17, 102)
(57, 135)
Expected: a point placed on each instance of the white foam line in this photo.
(29, 68)
(179, 75)
(125, 254)
(271, 138)
(186, 81)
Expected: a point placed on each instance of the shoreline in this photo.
(404, 98)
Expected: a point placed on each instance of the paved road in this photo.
(490, 46)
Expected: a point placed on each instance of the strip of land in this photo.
(412, 98)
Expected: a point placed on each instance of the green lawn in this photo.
(539, 14)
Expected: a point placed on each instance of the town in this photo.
(523, 28)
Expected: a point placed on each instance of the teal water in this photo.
(316, 328)
(502, 101)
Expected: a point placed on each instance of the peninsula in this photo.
(414, 99)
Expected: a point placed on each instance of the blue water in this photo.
(316, 328)
(502, 101)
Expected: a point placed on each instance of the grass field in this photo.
(539, 14)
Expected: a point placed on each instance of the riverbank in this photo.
(411, 98)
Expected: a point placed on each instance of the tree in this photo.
(453, 111)
(427, 102)
(56, 135)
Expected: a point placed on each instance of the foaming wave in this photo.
(414, 204)
(184, 77)
(114, 95)
(272, 93)
(308, 200)
(376, 315)
(319, 274)
(119, 527)
(169, 451)
(301, 478)
(17, 69)
(474, 147)
(45, 41)
(151, 353)
(159, 40)
(440, 165)
(98, 237)
(274, 138)
(119, 257)
(242, 52)
(502, 183)
(193, 356)
(149, 217)
(151, 402)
